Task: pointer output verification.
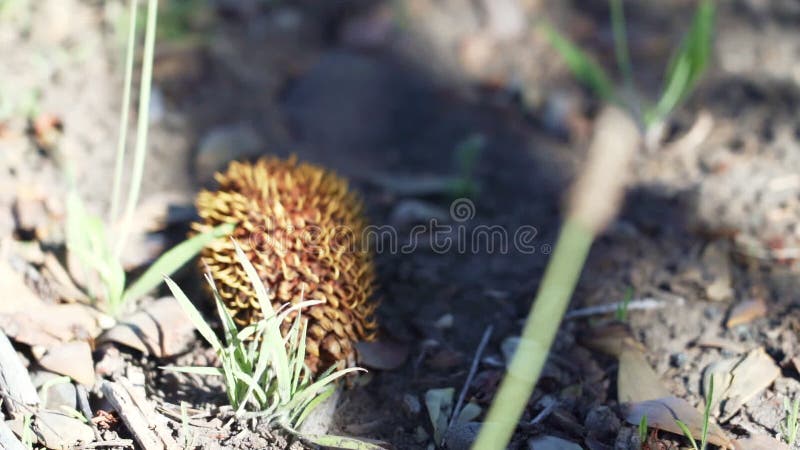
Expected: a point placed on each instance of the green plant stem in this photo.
(622, 53)
(543, 321)
(143, 119)
(126, 103)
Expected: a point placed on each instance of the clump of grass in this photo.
(98, 245)
(264, 373)
(790, 425)
(706, 417)
(683, 72)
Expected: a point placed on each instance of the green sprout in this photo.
(643, 430)
(790, 425)
(88, 237)
(683, 72)
(466, 156)
(264, 372)
(706, 417)
(622, 308)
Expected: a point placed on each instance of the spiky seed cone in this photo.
(300, 226)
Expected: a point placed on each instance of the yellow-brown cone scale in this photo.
(301, 227)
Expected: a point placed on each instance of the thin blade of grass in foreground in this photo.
(125, 109)
(688, 64)
(194, 316)
(582, 66)
(142, 125)
(273, 333)
(172, 260)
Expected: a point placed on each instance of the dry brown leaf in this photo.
(73, 359)
(737, 380)
(636, 380)
(746, 312)
(662, 414)
(611, 339)
(161, 329)
(382, 355)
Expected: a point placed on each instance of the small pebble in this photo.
(678, 359)
(411, 405)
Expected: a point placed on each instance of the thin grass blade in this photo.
(195, 316)
(174, 259)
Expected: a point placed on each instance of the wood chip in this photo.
(746, 312)
(149, 429)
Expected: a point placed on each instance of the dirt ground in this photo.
(384, 91)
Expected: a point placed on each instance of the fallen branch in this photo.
(16, 387)
(139, 417)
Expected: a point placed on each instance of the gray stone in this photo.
(321, 418)
(460, 436)
(551, 443)
(411, 405)
(58, 394)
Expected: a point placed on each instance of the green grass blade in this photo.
(707, 413)
(172, 260)
(308, 408)
(582, 66)
(318, 386)
(344, 442)
(272, 333)
(125, 108)
(688, 433)
(689, 63)
(621, 50)
(194, 315)
(142, 125)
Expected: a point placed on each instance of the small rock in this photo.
(460, 436)
(551, 443)
(445, 322)
(602, 423)
(382, 354)
(57, 430)
(73, 359)
(678, 359)
(321, 417)
(162, 329)
(411, 405)
(60, 393)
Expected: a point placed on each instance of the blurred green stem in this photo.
(622, 53)
(540, 329)
(126, 103)
(142, 125)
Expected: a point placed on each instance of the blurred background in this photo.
(405, 96)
